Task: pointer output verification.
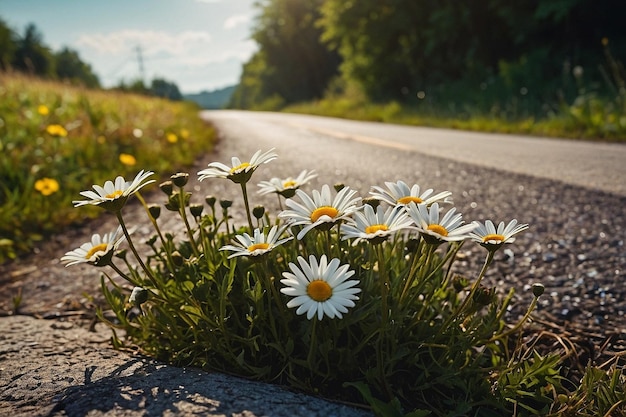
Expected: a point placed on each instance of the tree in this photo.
(31, 55)
(7, 46)
(69, 66)
(292, 63)
(165, 89)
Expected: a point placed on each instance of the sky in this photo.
(200, 45)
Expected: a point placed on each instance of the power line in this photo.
(140, 62)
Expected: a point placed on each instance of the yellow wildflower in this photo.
(43, 110)
(47, 186)
(184, 133)
(171, 138)
(56, 130)
(127, 159)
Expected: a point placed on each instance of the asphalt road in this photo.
(594, 165)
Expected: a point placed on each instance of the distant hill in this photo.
(216, 99)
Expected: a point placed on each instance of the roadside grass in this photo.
(589, 117)
(55, 138)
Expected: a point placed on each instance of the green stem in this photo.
(473, 290)
(247, 204)
(519, 324)
(183, 214)
(312, 344)
(123, 275)
(158, 230)
(134, 250)
(384, 283)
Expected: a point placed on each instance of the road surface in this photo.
(594, 165)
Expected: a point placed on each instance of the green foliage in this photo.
(292, 64)
(70, 67)
(54, 138)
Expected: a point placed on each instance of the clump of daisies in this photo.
(352, 297)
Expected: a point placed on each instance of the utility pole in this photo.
(140, 62)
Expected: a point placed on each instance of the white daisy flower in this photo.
(492, 238)
(399, 193)
(434, 230)
(286, 187)
(113, 195)
(377, 226)
(239, 172)
(98, 252)
(258, 245)
(320, 288)
(321, 210)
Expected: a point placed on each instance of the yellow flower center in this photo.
(319, 290)
(115, 194)
(324, 211)
(439, 229)
(256, 246)
(289, 183)
(494, 236)
(98, 248)
(410, 198)
(239, 167)
(376, 227)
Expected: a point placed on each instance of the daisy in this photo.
(98, 252)
(320, 210)
(320, 288)
(240, 172)
(435, 231)
(113, 195)
(492, 238)
(258, 245)
(399, 193)
(286, 187)
(376, 227)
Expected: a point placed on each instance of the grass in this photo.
(588, 118)
(55, 138)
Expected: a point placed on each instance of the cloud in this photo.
(151, 42)
(236, 20)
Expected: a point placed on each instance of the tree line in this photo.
(27, 53)
(447, 50)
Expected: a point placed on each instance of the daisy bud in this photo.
(258, 212)
(173, 202)
(196, 209)
(180, 179)
(225, 204)
(371, 201)
(138, 296)
(167, 187)
(339, 186)
(459, 283)
(155, 210)
(538, 290)
(177, 258)
(485, 296)
(210, 200)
